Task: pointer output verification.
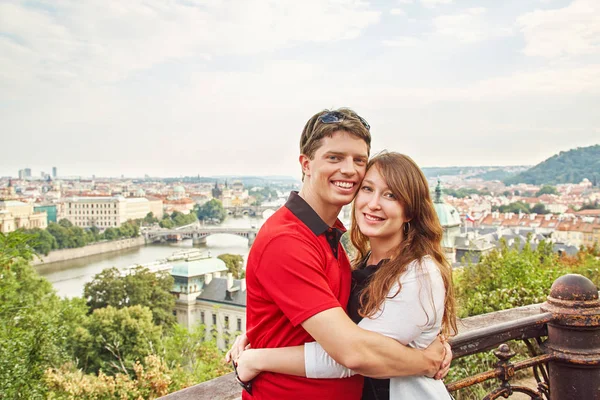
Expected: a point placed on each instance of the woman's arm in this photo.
(283, 360)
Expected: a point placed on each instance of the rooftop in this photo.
(198, 267)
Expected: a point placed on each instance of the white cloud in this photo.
(397, 11)
(403, 41)
(434, 3)
(469, 26)
(100, 40)
(570, 31)
(405, 1)
(545, 82)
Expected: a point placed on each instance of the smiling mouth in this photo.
(343, 184)
(373, 218)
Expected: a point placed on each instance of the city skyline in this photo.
(108, 88)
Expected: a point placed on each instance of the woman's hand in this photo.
(240, 344)
(247, 365)
(445, 367)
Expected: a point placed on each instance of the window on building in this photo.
(201, 317)
(226, 322)
(239, 324)
(214, 319)
(175, 312)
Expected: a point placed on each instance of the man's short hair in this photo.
(315, 130)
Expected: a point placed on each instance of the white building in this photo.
(204, 296)
(16, 214)
(105, 212)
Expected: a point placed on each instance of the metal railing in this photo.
(562, 337)
(563, 343)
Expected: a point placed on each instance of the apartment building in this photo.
(105, 212)
(16, 215)
(206, 295)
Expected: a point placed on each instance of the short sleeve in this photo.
(293, 274)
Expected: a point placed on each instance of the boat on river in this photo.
(188, 255)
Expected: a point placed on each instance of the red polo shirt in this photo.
(296, 268)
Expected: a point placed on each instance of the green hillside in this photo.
(566, 167)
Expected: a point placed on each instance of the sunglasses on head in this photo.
(333, 117)
(246, 385)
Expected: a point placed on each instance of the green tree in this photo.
(546, 189)
(152, 380)
(211, 210)
(14, 246)
(61, 234)
(113, 339)
(150, 219)
(234, 263)
(42, 241)
(140, 287)
(35, 325)
(180, 219)
(591, 206)
(566, 167)
(539, 208)
(515, 207)
(166, 222)
(65, 223)
(111, 233)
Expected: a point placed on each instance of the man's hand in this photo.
(436, 353)
(445, 367)
(239, 345)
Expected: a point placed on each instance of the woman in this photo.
(402, 283)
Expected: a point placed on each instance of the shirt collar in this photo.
(305, 213)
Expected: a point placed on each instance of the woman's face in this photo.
(378, 213)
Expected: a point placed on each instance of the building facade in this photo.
(106, 212)
(207, 295)
(16, 215)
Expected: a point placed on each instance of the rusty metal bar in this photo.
(496, 373)
(483, 339)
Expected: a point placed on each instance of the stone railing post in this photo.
(573, 339)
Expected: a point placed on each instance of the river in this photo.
(69, 277)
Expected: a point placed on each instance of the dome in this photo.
(140, 192)
(448, 215)
(198, 267)
(179, 189)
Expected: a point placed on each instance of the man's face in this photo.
(337, 169)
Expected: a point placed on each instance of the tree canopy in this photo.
(140, 287)
(546, 189)
(212, 210)
(176, 219)
(234, 264)
(64, 235)
(58, 349)
(565, 167)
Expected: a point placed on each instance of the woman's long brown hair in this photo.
(408, 184)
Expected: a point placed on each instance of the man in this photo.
(298, 275)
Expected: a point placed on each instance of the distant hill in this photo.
(487, 173)
(565, 167)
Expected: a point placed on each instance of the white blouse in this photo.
(413, 317)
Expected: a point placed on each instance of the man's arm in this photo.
(369, 353)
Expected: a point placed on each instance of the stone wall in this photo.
(89, 250)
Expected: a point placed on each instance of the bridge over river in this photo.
(197, 233)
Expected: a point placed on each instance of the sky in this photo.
(212, 87)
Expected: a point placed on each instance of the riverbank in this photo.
(89, 250)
